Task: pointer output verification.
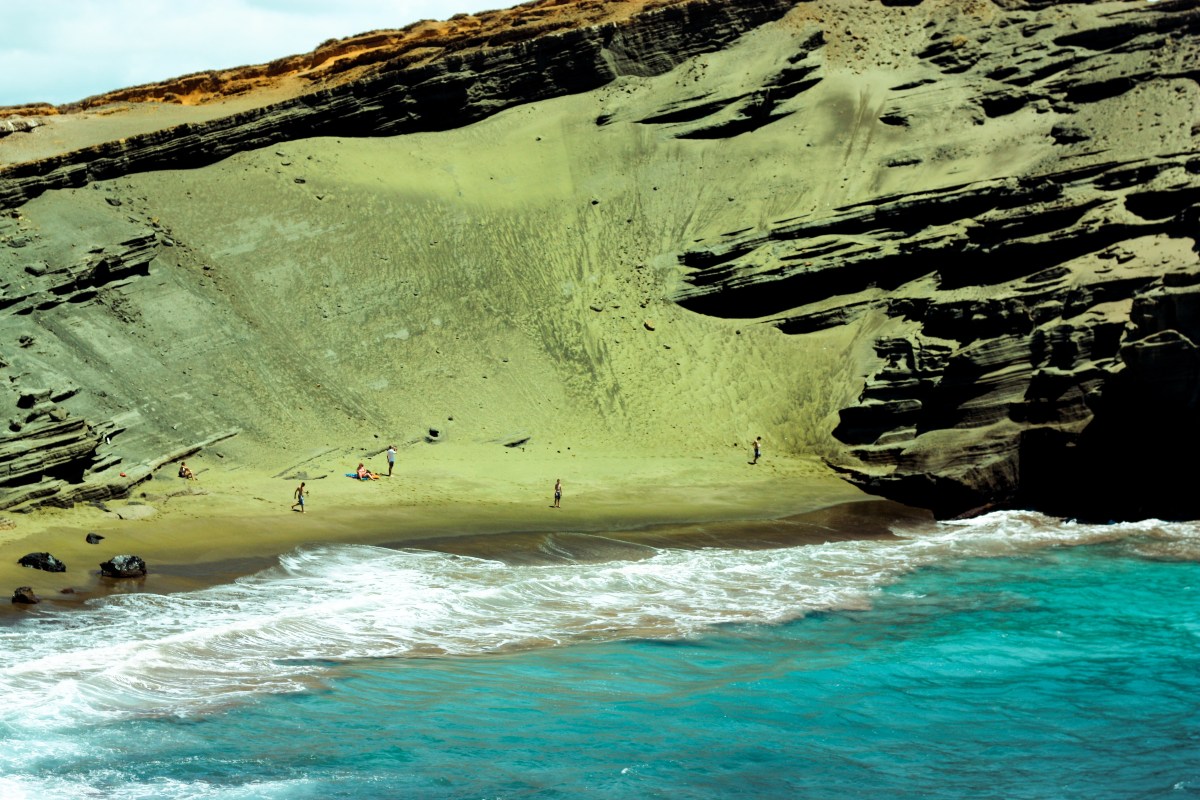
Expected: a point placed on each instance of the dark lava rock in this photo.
(43, 561)
(123, 567)
(94, 538)
(25, 596)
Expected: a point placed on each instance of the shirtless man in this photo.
(299, 495)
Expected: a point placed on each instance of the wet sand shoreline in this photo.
(199, 541)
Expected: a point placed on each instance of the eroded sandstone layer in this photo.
(951, 247)
(1042, 328)
(473, 77)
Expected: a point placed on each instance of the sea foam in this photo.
(283, 629)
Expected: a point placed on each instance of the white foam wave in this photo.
(49, 787)
(278, 631)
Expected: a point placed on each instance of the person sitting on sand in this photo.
(365, 474)
(186, 472)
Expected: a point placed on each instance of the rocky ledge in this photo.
(1049, 358)
(479, 75)
(1040, 328)
(50, 453)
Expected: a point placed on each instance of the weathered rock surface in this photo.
(24, 596)
(1046, 323)
(50, 455)
(126, 566)
(402, 96)
(8, 126)
(42, 561)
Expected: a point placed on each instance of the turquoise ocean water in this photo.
(1013, 656)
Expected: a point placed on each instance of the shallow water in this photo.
(1013, 656)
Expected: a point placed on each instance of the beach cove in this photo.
(233, 521)
(934, 251)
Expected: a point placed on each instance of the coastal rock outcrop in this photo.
(126, 566)
(42, 561)
(1042, 326)
(49, 455)
(24, 595)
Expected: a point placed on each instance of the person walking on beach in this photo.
(299, 495)
(391, 456)
(757, 449)
(557, 493)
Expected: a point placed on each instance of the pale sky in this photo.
(60, 51)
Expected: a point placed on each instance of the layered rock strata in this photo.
(48, 455)
(398, 96)
(50, 296)
(1042, 327)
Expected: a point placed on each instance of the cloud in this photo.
(60, 51)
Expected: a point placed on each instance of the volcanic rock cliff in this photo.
(949, 246)
(1042, 352)
(475, 74)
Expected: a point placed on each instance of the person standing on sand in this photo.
(299, 495)
(391, 456)
(557, 492)
(757, 449)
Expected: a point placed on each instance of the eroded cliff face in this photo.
(473, 78)
(1040, 346)
(949, 246)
